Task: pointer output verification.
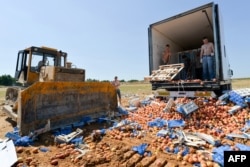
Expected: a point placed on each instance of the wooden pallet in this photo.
(166, 72)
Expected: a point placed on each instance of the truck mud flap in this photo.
(63, 103)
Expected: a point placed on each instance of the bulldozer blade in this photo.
(63, 103)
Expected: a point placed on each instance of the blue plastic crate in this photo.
(189, 107)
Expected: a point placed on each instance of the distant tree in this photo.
(122, 80)
(91, 80)
(6, 80)
(133, 80)
(105, 81)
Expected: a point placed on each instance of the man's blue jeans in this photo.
(208, 67)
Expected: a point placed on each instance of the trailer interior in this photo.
(184, 33)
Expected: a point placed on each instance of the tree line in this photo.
(7, 80)
(122, 80)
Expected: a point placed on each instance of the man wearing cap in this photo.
(42, 63)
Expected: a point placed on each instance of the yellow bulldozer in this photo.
(52, 93)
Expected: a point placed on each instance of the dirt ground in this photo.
(112, 149)
(107, 151)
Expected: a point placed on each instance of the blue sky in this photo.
(109, 37)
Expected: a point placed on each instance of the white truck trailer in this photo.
(184, 33)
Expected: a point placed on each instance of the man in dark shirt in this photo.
(187, 67)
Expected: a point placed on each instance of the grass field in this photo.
(241, 83)
(2, 93)
(136, 88)
(145, 88)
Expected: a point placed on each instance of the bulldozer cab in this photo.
(32, 59)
